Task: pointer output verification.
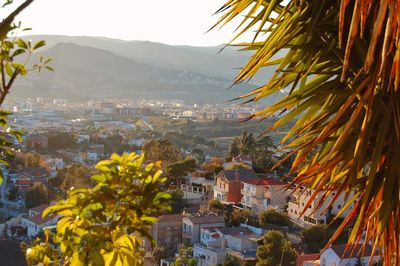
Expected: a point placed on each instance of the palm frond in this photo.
(342, 68)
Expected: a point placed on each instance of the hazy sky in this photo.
(168, 21)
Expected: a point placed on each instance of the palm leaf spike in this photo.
(345, 120)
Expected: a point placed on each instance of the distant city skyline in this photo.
(176, 22)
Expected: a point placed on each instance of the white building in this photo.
(264, 193)
(337, 255)
(216, 242)
(35, 223)
(298, 201)
(193, 225)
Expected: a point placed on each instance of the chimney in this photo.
(237, 176)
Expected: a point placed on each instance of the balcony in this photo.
(247, 192)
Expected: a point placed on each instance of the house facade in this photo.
(337, 255)
(298, 201)
(229, 185)
(264, 193)
(167, 231)
(216, 242)
(34, 222)
(192, 226)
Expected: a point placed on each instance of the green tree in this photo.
(339, 61)
(161, 150)
(74, 176)
(214, 203)
(234, 149)
(272, 216)
(315, 237)
(214, 165)
(199, 155)
(106, 224)
(36, 195)
(262, 154)
(185, 257)
(178, 203)
(238, 166)
(62, 140)
(231, 261)
(179, 169)
(236, 217)
(247, 144)
(275, 250)
(31, 160)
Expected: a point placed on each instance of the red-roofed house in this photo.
(35, 223)
(229, 184)
(260, 194)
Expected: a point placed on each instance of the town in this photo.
(225, 203)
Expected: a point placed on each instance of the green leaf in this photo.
(39, 44)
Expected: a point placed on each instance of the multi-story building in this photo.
(298, 201)
(192, 226)
(340, 256)
(229, 184)
(167, 231)
(216, 242)
(263, 193)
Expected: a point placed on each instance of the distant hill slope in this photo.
(90, 67)
(209, 61)
(85, 72)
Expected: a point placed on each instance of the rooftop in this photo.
(244, 174)
(39, 208)
(38, 219)
(264, 182)
(353, 250)
(170, 218)
(206, 219)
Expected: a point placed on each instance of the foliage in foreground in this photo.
(106, 224)
(340, 60)
(14, 58)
